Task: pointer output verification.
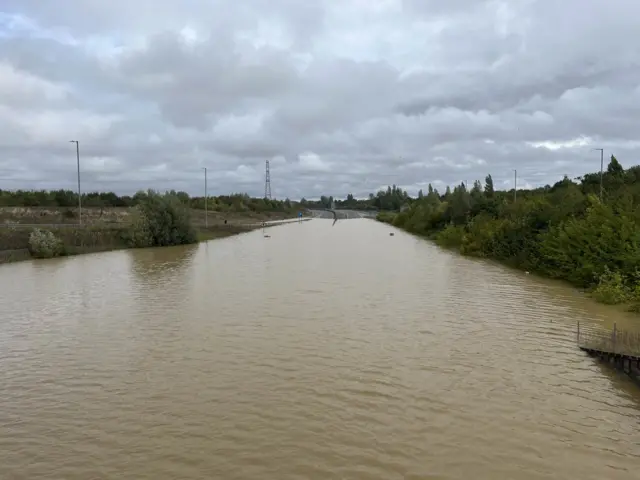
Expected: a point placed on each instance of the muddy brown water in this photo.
(319, 353)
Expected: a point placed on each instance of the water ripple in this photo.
(385, 358)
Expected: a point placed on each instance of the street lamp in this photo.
(206, 210)
(79, 192)
(601, 168)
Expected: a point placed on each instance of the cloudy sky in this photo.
(340, 95)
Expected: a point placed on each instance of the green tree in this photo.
(160, 220)
(614, 167)
(488, 187)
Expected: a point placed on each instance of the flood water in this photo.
(319, 353)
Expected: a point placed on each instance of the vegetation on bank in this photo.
(19, 243)
(565, 231)
(157, 220)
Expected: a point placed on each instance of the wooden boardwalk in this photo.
(619, 348)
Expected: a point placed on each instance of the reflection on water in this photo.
(161, 261)
(321, 352)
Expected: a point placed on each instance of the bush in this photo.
(634, 299)
(587, 249)
(451, 236)
(44, 244)
(482, 236)
(386, 217)
(610, 288)
(400, 219)
(159, 221)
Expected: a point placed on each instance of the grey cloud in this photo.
(430, 8)
(192, 83)
(124, 17)
(438, 92)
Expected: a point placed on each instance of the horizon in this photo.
(440, 191)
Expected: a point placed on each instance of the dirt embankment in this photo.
(116, 215)
(103, 229)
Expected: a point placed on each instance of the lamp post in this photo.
(206, 209)
(79, 192)
(601, 168)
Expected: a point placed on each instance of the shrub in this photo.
(610, 288)
(634, 299)
(44, 244)
(160, 220)
(483, 233)
(385, 217)
(451, 236)
(634, 292)
(399, 220)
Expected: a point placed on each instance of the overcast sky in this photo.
(340, 95)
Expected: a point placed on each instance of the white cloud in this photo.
(569, 144)
(311, 162)
(340, 95)
(23, 88)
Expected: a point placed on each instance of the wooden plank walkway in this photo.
(621, 349)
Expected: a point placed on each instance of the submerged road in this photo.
(343, 214)
(321, 353)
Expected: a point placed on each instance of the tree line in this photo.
(237, 202)
(393, 198)
(571, 230)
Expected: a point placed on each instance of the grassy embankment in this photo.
(108, 228)
(564, 231)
